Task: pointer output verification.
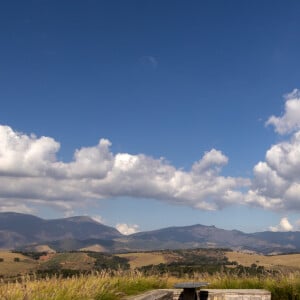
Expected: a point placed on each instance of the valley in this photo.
(175, 262)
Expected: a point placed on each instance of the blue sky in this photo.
(182, 94)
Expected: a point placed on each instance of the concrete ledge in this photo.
(206, 294)
(154, 295)
(235, 294)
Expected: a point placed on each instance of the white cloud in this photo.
(290, 120)
(276, 182)
(23, 155)
(284, 225)
(32, 175)
(212, 161)
(91, 162)
(127, 229)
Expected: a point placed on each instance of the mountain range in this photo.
(28, 232)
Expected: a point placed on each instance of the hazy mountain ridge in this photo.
(211, 236)
(30, 229)
(27, 231)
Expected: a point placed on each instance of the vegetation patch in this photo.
(109, 262)
(69, 260)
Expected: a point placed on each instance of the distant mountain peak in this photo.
(18, 229)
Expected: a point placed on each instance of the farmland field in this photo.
(140, 259)
(15, 263)
(99, 276)
(271, 261)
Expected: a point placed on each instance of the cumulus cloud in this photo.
(32, 175)
(212, 161)
(127, 229)
(290, 120)
(276, 183)
(23, 155)
(284, 225)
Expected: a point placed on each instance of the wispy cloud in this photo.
(149, 62)
(98, 219)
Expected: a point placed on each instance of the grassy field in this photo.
(10, 267)
(84, 262)
(289, 261)
(15, 264)
(72, 261)
(270, 262)
(140, 259)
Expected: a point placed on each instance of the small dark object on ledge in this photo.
(190, 289)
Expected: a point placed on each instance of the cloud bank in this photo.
(276, 183)
(32, 175)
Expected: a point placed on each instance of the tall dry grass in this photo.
(98, 286)
(117, 285)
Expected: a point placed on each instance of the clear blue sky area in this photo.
(172, 79)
